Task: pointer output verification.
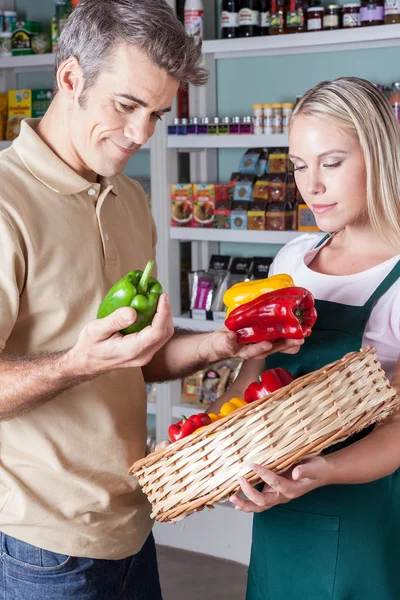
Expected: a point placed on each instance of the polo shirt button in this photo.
(91, 192)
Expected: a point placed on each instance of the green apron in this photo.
(336, 542)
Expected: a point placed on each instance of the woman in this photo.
(316, 535)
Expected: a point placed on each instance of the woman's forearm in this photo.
(373, 457)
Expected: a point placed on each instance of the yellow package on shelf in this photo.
(19, 108)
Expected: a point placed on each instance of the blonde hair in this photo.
(357, 105)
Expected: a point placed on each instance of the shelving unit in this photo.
(201, 142)
(232, 235)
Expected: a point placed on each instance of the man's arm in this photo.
(27, 382)
(187, 352)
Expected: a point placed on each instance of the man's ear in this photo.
(70, 78)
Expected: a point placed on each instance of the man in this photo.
(73, 524)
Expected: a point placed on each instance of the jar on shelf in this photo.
(5, 45)
(287, 109)
(213, 128)
(277, 24)
(234, 126)
(276, 118)
(224, 126)
(295, 17)
(351, 15)
(246, 125)
(395, 100)
(332, 16)
(267, 120)
(265, 16)
(249, 18)
(203, 126)
(315, 17)
(372, 12)
(257, 119)
(392, 11)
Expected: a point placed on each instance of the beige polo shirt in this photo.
(63, 466)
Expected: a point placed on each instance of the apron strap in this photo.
(324, 239)
(386, 284)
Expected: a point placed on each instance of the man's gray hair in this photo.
(97, 27)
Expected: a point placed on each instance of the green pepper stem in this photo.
(144, 280)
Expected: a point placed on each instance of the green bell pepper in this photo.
(138, 290)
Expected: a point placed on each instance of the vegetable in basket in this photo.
(284, 313)
(270, 381)
(186, 427)
(137, 290)
(243, 292)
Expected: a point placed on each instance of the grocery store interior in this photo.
(222, 192)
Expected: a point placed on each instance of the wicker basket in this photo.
(303, 418)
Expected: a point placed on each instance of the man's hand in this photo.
(101, 348)
(311, 473)
(223, 344)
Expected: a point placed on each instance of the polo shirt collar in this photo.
(47, 167)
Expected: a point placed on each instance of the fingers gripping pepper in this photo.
(243, 292)
(285, 313)
(137, 290)
(185, 427)
(270, 381)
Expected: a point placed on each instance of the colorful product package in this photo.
(23, 33)
(19, 108)
(205, 196)
(41, 100)
(248, 162)
(222, 212)
(244, 188)
(278, 160)
(256, 215)
(260, 190)
(306, 219)
(182, 204)
(239, 215)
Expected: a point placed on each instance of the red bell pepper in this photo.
(185, 427)
(283, 313)
(270, 381)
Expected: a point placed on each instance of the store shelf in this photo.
(357, 38)
(185, 322)
(232, 235)
(151, 408)
(31, 61)
(201, 142)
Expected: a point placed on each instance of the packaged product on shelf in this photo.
(215, 382)
(222, 212)
(19, 108)
(256, 215)
(278, 160)
(3, 114)
(220, 267)
(191, 388)
(239, 214)
(41, 100)
(5, 44)
(205, 285)
(244, 187)
(248, 162)
(41, 43)
(240, 270)
(204, 196)
(290, 216)
(262, 166)
(276, 187)
(290, 195)
(23, 33)
(9, 20)
(275, 216)
(306, 219)
(260, 190)
(182, 204)
(261, 265)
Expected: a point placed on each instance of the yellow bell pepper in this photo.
(246, 291)
(229, 407)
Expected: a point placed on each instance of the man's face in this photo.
(119, 113)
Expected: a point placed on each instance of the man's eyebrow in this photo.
(140, 102)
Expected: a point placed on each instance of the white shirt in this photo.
(383, 327)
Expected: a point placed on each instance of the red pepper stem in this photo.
(144, 280)
(299, 313)
(183, 419)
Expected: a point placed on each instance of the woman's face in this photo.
(330, 172)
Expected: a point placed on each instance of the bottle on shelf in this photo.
(392, 11)
(249, 18)
(229, 19)
(265, 16)
(194, 15)
(372, 12)
(395, 100)
(295, 16)
(278, 17)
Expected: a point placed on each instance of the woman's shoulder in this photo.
(295, 250)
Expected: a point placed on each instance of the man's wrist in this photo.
(207, 353)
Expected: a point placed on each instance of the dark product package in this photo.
(261, 266)
(204, 285)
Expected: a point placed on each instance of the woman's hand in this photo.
(311, 473)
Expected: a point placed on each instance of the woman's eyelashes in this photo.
(331, 166)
